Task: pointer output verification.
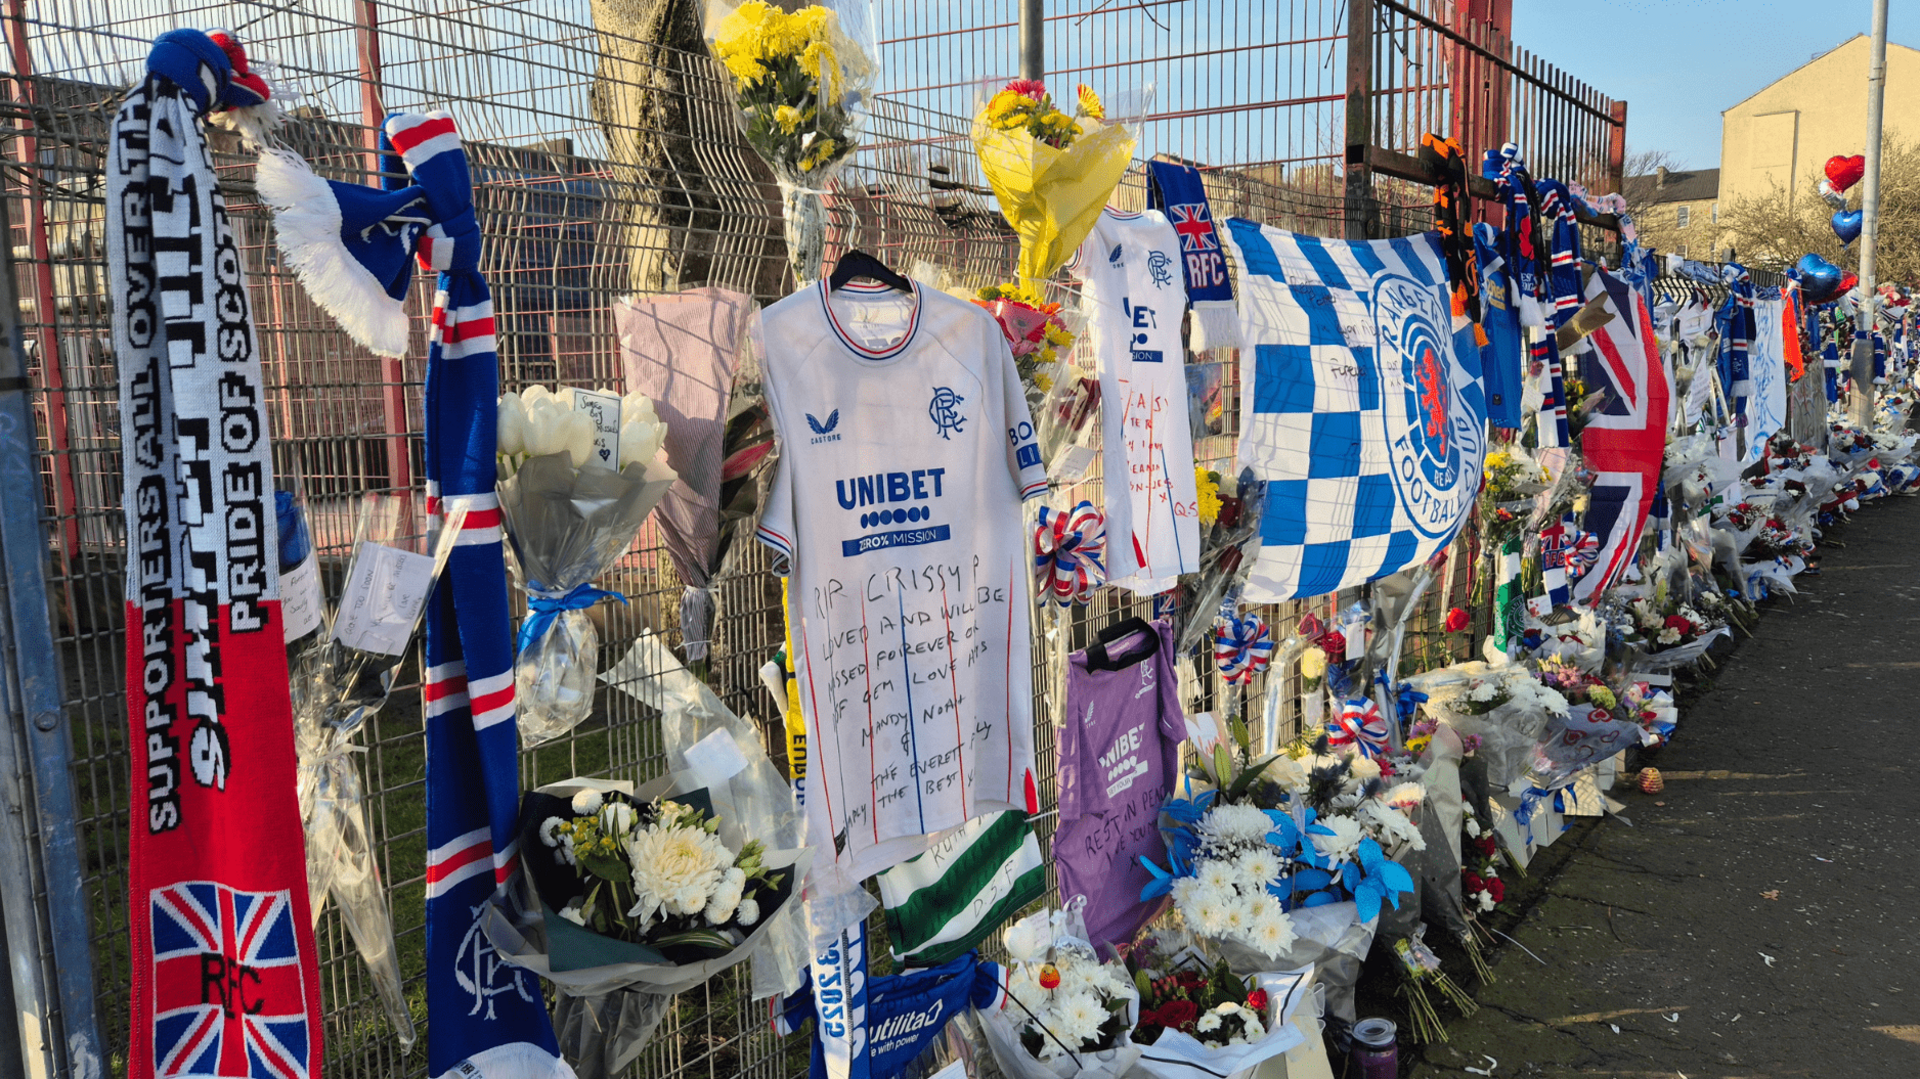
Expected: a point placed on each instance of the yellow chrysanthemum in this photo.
(820, 61)
(787, 117)
(1089, 103)
(1209, 491)
(1057, 335)
(1042, 381)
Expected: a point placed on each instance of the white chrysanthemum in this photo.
(1260, 865)
(550, 831)
(725, 899)
(748, 912)
(1405, 795)
(566, 850)
(1217, 875)
(1346, 836)
(1079, 1016)
(1272, 932)
(571, 912)
(586, 803)
(1236, 824)
(1390, 826)
(1208, 914)
(1365, 768)
(675, 870)
(1208, 1022)
(1239, 916)
(1253, 1030)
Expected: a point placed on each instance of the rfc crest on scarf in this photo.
(1435, 436)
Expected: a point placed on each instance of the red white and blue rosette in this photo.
(1359, 725)
(1069, 554)
(1242, 647)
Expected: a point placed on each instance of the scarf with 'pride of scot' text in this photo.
(224, 978)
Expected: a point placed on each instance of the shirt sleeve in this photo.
(1173, 718)
(1024, 463)
(989, 986)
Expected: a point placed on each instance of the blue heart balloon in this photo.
(1846, 225)
(1819, 279)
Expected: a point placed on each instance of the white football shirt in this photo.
(1136, 297)
(906, 450)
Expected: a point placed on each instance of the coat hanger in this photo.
(857, 263)
(1098, 658)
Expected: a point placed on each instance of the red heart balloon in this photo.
(1847, 282)
(1846, 171)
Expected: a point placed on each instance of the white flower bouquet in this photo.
(340, 677)
(1067, 1013)
(629, 897)
(579, 472)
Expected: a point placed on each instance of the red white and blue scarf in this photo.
(484, 1017)
(224, 976)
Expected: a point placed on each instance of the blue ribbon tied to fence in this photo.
(544, 607)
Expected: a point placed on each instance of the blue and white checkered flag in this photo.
(1361, 406)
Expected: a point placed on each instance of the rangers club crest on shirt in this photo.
(229, 998)
(1433, 440)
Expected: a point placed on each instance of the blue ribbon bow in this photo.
(543, 609)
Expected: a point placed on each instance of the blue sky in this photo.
(1677, 63)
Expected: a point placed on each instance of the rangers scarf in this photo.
(224, 978)
(484, 1017)
(1179, 192)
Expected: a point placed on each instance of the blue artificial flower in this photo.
(1373, 877)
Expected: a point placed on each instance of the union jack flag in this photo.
(1195, 226)
(1624, 441)
(229, 998)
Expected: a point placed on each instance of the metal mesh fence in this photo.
(606, 164)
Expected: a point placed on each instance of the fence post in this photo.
(1617, 147)
(66, 497)
(1033, 39)
(1359, 171)
(38, 796)
(373, 113)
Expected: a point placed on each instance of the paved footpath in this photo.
(1762, 916)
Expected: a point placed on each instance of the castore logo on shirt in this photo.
(824, 432)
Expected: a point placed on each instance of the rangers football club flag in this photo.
(1624, 441)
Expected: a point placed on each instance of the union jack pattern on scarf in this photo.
(229, 998)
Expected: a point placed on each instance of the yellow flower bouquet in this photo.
(1051, 171)
(800, 84)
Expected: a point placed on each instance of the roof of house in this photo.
(1687, 186)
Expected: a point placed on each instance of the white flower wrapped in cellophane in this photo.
(579, 472)
(337, 680)
(1067, 1013)
(631, 896)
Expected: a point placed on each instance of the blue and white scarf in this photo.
(1179, 192)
